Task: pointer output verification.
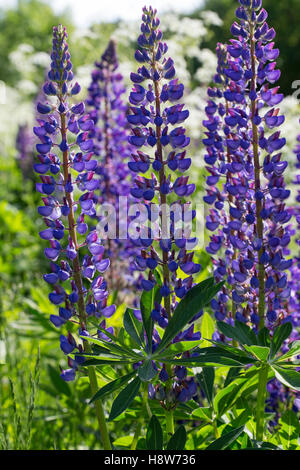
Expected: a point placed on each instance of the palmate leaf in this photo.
(99, 362)
(196, 298)
(226, 440)
(263, 337)
(242, 386)
(176, 348)
(117, 349)
(293, 351)
(206, 380)
(112, 386)
(213, 357)
(289, 430)
(147, 302)
(154, 436)
(146, 372)
(178, 440)
(208, 328)
(125, 398)
(239, 332)
(133, 327)
(232, 349)
(60, 385)
(280, 335)
(287, 377)
(260, 352)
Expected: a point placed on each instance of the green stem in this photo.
(169, 422)
(259, 220)
(99, 410)
(216, 430)
(261, 399)
(79, 284)
(145, 400)
(136, 435)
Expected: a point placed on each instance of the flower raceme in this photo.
(156, 115)
(110, 132)
(246, 190)
(65, 164)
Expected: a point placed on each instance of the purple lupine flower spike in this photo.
(278, 393)
(108, 127)
(74, 281)
(248, 215)
(24, 146)
(156, 116)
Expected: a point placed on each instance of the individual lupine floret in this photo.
(155, 116)
(244, 142)
(65, 163)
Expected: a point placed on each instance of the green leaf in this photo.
(243, 385)
(133, 327)
(287, 377)
(263, 337)
(239, 332)
(289, 430)
(146, 371)
(115, 346)
(154, 436)
(203, 413)
(196, 298)
(178, 440)
(207, 329)
(294, 350)
(258, 445)
(232, 349)
(226, 440)
(98, 362)
(147, 302)
(260, 352)
(280, 335)
(125, 398)
(176, 348)
(232, 375)
(213, 357)
(124, 441)
(206, 380)
(60, 385)
(112, 386)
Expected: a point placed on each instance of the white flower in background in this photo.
(208, 66)
(27, 87)
(41, 59)
(126, 32)
(83, 76)
(20, 59)
(211, 18)
(14, 111)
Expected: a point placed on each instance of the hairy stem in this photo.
(79, 284)
(261, 399)
(259, 220)
(169, 414)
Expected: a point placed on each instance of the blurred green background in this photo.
(38, 410)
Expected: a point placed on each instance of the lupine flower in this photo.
(108, 127)
(76, 255)
(156, 115)
(278, 393)
(246, 188)
(24, 146)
